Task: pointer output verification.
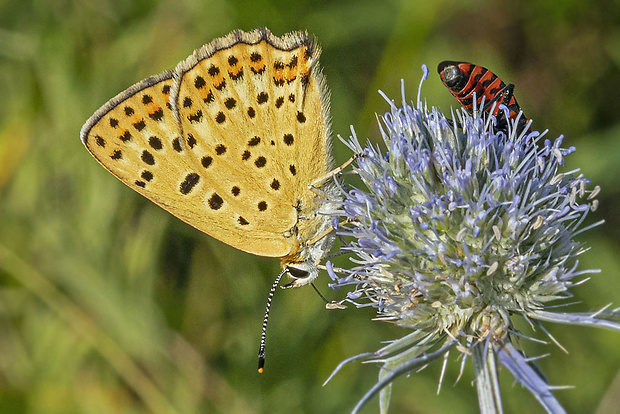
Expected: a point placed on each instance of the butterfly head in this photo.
(303, 266)
(302, 274)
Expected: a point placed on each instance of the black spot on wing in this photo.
(215, 201)
(189, 183)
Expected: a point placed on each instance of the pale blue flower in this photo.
(460, 228)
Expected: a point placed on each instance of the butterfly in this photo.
(234, 141)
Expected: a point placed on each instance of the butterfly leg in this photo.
(326, 232)
(318, 181)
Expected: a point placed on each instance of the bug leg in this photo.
(509, 91)
(506, 93)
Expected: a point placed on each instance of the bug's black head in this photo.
(452, 75)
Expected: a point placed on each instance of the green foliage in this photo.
(110, 305)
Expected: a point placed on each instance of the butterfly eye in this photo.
(297, 273)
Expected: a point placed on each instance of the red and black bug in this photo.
(464, 79)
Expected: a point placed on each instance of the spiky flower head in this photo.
(461, 227)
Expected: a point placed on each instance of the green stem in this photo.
(487, 381)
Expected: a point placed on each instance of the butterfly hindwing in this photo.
(135, 137)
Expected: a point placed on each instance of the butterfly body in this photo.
(229, 142)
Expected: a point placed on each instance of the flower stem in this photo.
(487, 381)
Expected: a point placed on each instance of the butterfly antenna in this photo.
(261, 351)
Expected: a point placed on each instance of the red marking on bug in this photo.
(463, 80)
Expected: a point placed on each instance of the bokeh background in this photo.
(110, 305)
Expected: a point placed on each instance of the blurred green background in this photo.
(110, 305)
